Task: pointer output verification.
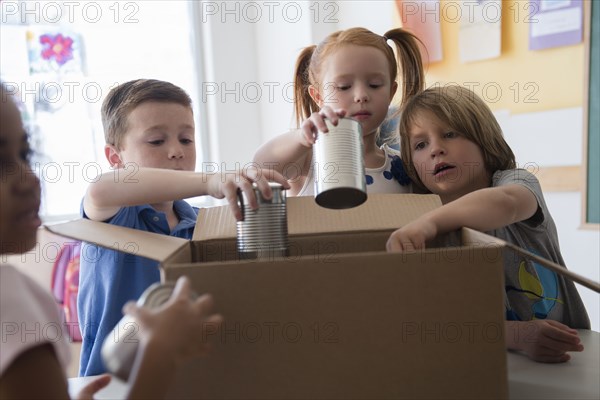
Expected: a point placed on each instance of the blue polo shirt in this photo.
(108, 278)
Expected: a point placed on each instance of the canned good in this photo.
(263, 232)
(339, 168)
(120, 346)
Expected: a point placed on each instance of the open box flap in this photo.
(473, 237)
(381, 212)
(132, 241)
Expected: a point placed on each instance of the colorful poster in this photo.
(480, 34)
(53, 50)
(422, 18)
(555, 23)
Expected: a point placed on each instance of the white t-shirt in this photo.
(29, 317)
(379, 180)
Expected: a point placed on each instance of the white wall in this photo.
(280, 43)
(230, 64)
(265, 51)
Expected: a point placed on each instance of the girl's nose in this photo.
(361, 95)
(176, 152)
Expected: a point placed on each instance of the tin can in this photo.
(121, 345)
(263, 232)
(339, 168)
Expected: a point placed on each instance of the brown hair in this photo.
(407, 59)
(464, 112)
(122, 99)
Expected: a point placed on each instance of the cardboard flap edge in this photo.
(473, 236)
(305, 216)
(127, 240)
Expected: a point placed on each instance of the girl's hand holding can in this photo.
(316, 123)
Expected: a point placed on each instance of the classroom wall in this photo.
(547, 133)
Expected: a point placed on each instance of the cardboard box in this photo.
(339, 317)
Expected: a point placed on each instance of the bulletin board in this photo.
(591, 196)
(520, 80)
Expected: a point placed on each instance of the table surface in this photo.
(527, 379)
(579, 378)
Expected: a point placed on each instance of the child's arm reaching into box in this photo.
(482, 210)
(485, 210)
(114, 190)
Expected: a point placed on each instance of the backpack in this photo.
(65, 285)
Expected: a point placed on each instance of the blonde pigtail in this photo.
(408, 57)
(304, 105)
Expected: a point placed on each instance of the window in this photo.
(61, 59)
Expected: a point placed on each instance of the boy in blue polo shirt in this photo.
(149, 132)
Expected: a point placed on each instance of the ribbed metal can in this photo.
(339, 168)
(120, 346)
(263, 232)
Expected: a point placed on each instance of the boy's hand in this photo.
(316, 122)
(227, 186)
(180, 327)
(412, 236)
(543, 340)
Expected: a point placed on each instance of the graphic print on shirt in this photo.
(541, 289)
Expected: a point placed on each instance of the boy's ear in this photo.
(113, 156)
(315, 95)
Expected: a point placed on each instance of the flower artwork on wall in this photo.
(58, 47)
(53, 51)
(55, 57)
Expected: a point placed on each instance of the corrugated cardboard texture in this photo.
(376, 326)
(379, 212)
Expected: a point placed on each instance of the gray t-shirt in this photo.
(532, 291)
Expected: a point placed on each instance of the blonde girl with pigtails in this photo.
(353, 73)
